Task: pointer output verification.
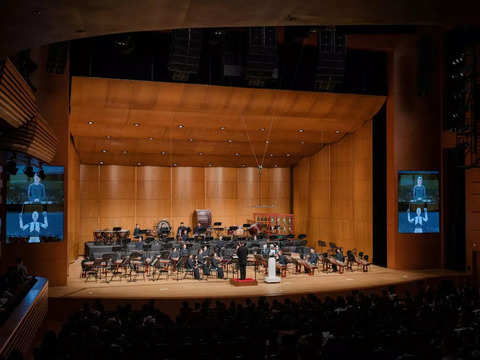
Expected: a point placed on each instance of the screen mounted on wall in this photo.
(35, 205)
(418, 202)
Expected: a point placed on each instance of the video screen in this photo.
(35, 205)
(418, 202)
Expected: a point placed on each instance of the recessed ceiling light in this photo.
(287, 155)
(302, 142)
(108, 137)
(164, 153)
(124, 151)
(180, 126)
(150, 138)
(90, 122)
(236, 154)
(222, 128)
(174, 164)
(262, 129)
(200, 153)
(276, 165)
(104, 150)
(101, 162)
(267, 141)
(337, 131)
(191, 140)
(136, 124)
(229, 141)
(300, 130)
(139, 163)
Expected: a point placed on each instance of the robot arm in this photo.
(45, 220)
(410, 220)
(425, 218)
(23, 227)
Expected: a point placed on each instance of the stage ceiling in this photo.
(126, 122)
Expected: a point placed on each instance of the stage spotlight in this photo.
(29, 171)
(12, 167)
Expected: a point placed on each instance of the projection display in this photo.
(418, 202)
(35, 205)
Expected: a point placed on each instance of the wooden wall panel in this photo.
(333, 193)
(124, 196)
(74, 208)
(472, 213)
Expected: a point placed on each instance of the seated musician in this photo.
(312, 257)
(265, 251)
(184, 235)
(192, 265)
(339, 259)
(198, 230)
(184, 251)
(281, 259)
(202, 261)
(312, 260)
(175, 254)
(216, 264)
(136, 233)
(180, 230)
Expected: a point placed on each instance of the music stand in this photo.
(117, 228)
(146, 249)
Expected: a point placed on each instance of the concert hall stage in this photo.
(292, 285)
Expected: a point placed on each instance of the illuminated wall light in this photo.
(101, 162)
(164, 153)
(180, 126)
(200, 153)
(136, 124)
(104, 150)
(337, 131)
(300, 130)
(229, 141)
(139, 163)
(222, 128)
(91, 122)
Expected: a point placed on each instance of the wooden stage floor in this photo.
(320, 284)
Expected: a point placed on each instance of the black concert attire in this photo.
(202, 261)
(198, 230)
(217, 266)
(137, 234)
(192, 266)
(339, 256)
(184, 252)
(180, 230)
(282, 260)
(313, 259)
(175, 254)
(242, 253)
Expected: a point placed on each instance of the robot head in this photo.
(36, 179)
(35, 216)
(419, 211)
(419, 181)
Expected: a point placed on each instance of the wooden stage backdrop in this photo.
(126, 195)
(333, 192)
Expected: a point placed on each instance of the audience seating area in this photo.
(14, 285)
(436, 323)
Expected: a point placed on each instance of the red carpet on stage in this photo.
(246, 282)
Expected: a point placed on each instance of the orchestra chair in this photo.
(88, 270)
(301, 238)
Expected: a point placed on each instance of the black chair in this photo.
(321, 244)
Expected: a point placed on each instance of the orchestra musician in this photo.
(217, 265)
(265, 251)
(137, 234)
(192, 265)
(180, 231)
(281, 258)
(184, 251)
(198, 230)
(312, 257)
(175, 254)
(242, 253)
(202, 261)
(339, 259)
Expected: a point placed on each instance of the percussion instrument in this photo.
(163, 227)
(97, 236)
(204, 217)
